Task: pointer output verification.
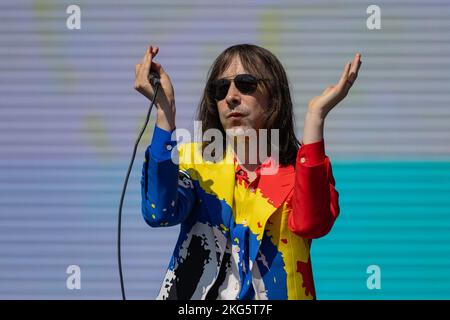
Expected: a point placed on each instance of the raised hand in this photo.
(334, 94)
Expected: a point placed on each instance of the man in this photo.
(244, 234)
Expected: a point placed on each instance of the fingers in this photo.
(158, 68)
(328, 89)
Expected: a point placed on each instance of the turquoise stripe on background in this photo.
(395, 215)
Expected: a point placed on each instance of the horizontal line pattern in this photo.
(69, 116)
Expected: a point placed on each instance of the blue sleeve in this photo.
(167, 193)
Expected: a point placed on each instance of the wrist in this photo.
(314, 119)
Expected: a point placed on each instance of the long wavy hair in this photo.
(263, 64)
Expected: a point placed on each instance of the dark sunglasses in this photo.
(245, 83)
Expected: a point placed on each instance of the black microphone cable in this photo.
(154, 80)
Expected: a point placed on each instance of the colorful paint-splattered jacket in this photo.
(220, 254)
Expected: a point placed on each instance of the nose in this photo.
(233, 97)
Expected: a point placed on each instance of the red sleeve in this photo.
(315, 201)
